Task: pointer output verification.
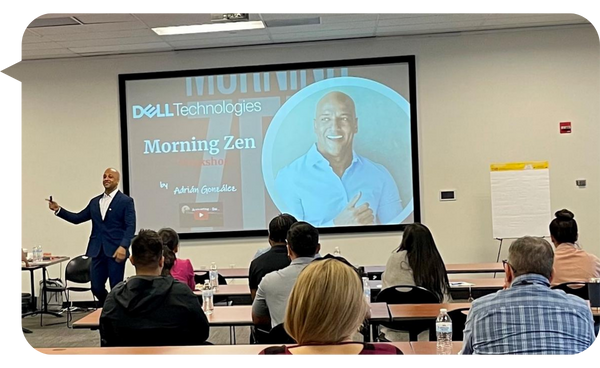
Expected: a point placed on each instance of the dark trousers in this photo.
(103, 268)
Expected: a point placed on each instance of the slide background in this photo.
(384, 137)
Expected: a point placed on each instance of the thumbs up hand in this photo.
(352, 215)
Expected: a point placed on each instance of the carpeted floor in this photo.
(55, 334)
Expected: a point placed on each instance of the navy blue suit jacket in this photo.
(117, 228)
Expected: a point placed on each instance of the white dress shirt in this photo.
(105, 202)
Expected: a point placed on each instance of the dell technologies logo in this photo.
(152, 111)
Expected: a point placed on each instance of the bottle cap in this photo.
(443, 310)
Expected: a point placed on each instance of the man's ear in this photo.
(355, 125)
(551, 275)
(161, 262)
(318, 248)
(510, 274)
(131, 260)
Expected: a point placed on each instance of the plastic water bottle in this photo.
(336, 252)
(366, 289)
(443, 330)
(40, 254)
(207, 298)
(37, 253)
(213, 275)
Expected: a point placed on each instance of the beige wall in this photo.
(482, 98)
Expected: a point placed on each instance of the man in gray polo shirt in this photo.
(275, 288)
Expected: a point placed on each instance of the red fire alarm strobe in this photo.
(565, 127)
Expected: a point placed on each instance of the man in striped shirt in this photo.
(528, 317)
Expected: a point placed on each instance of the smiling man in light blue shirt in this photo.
(331, 185)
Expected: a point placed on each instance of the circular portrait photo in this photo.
(338, 153)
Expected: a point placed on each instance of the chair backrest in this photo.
(458, 323)
(199, 278)
(576, 288)
(78, 269)
(594, 294)
(278, 335)
(407, 294)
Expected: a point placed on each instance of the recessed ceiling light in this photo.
(204, 28)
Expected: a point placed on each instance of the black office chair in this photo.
(408, 294)
(278, 335)
(259, 334)
(77, 271)
(576, 288)
(458, 323)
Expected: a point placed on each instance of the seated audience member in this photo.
(276, 257)
(528, 317)
(260, 252)
(182, 269)
(326, 307)
(416, 262)
(274, 290)
(149, 309)
(169, 261)
(571, 263)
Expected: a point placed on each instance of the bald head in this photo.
(336, 97)
(335, 126)
(110, 180)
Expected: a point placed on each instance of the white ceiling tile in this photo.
(432, 19)
(162, 20)
(220, 41)
(41, 46)
(48, 57)
(105, 18)
(342, 18)
(119, 48)
(320, 36)
(271, 16)
(90, 28)
(394, 14)
(427, 28)
(59, 52)
(330, 27)
(532, 19)
(100, 35)
(77, 13)
(110, 41)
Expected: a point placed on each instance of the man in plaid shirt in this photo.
(528, 317)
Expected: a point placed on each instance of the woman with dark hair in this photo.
(416, 262)
(169, 257)
(571, 263)
(182, 269)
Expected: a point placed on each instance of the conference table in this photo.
(36, 266)
(376, 271)
(229, 273)
(232, 316)
(407, 348)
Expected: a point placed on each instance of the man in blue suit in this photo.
(113, 226)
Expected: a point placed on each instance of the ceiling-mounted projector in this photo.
(229, 17)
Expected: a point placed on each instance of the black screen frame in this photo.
(410, 60)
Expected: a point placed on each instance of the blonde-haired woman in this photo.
(326, 307)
